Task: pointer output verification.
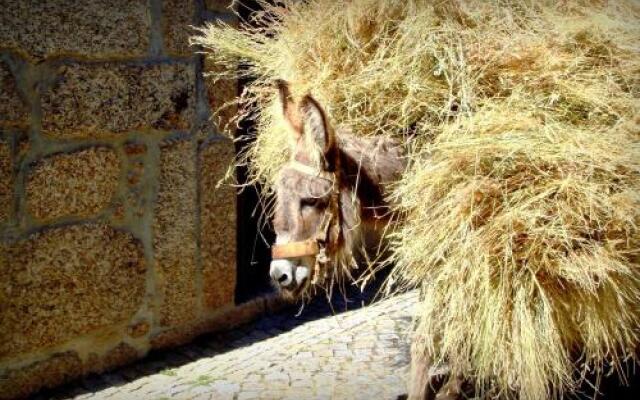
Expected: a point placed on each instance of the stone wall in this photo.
(113, 237)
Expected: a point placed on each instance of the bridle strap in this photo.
(306, 169)
(303, 248)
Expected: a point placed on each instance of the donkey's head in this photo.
(311, 204)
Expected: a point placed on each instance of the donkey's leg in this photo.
(430, 382)
(421, 382)
(452, 390)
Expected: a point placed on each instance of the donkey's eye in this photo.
(310, 202)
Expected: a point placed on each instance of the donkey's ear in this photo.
(289, 109)
(317, 127)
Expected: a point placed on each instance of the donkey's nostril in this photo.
(281, 272)
(283, 278)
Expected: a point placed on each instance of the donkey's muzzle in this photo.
(281, 272)
(284, 270)
(288, 275)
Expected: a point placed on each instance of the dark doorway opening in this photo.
(254, 233)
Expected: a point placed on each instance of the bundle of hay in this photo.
(521, 203)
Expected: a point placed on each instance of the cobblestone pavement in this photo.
(362, 353)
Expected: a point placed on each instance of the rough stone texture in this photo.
(135, 149)
(358, 354)
(13, 111)
(98, 99)
(177, 19)
(86, 28)
(138, 329)
(6, 179)
(174, 233)
(65, 282)
(100, 250)
(80, 183)
(52, 371)
(179, 335)
(217, 224)
(119, 355)
(137, 194)
(222, 95)
(224, 319)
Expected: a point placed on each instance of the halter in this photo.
(327, 236)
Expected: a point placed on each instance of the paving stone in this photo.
(158, 384)
(225, 387)
(253, 378)
(300, 383)
(109, 392)
(205, 396)
(200, 389)
(137, 385)
(307, 355)
(252, 386)
(327, 352)
(272, 394)
(180, 388)
(369, 344)
(344, 339)
(276, 378)
(299, 393)
(343, 353)
(249, 395)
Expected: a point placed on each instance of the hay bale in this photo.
(524, 236)
(521, 203)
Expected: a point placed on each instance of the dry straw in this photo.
(521, 202)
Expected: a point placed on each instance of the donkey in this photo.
(330, 204)
(330, 199)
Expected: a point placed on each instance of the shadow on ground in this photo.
(208, 345)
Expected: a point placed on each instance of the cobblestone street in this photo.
(361, 353)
